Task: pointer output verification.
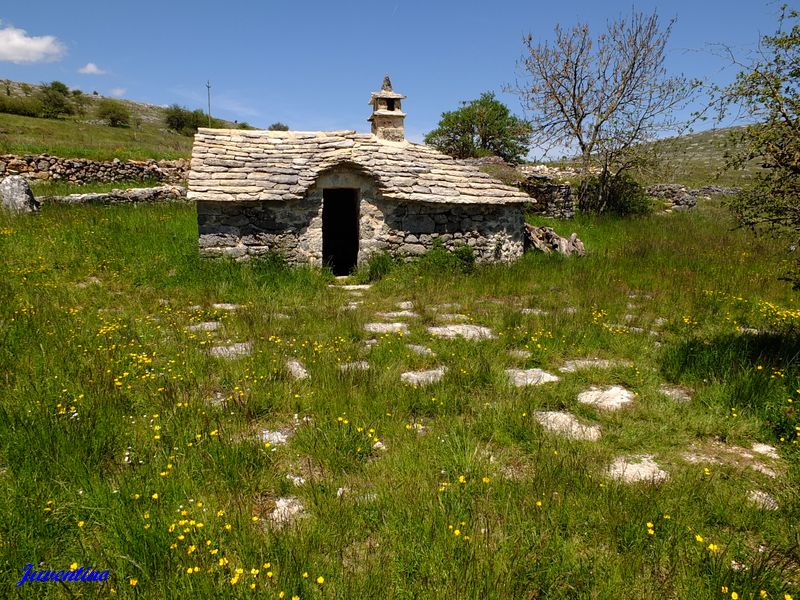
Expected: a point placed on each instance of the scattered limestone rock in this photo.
(397, 314)
(226, 306)
(679, 394)
(232, 350)
(423, 377)
(519, 354)
(571, 366)
(275, 438)
(89, 281)
(524, 377)
(16, 195)
(609, 398)
(296, 369)
(567, 425)
(297, 480)
(453, 317)
(287, 511)
(762, 500)
(359, 365)
(205, 326)
(352, 305)
(419, 349)
(405, 305)
(386, 328)
(470, 332)
(355, 288)
(535, 311)
(636, 468)
(766, 450)
(370, 342)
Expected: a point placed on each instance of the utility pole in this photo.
(208, 85)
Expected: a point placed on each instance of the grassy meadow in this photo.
(124, 445)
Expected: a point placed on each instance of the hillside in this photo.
(85, 136)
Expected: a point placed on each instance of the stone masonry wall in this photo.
(83, 170)
(407, 229)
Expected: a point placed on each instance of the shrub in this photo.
(619, 195)
(439, 260)
(278, 127)
(186, 122)
(113, 112)
(378, 266)
(55, 100)
(20, 105)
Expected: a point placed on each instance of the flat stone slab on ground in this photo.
(637, 468)
(535, 311)
(716, 452)
(579, 364)
(567, 425)
(405, 305)
(359, 365)
(205, 326)
(232, 350)
(386, 327)
(419, 349)
(609, 398)
(397, 314)
(353, 305)
(766, 450)
(423, 377)
(519, 354)
(296, 369)
(226, 306)
(352, 287)
(762, 500)
(470, 332)
(523, 377)
(677, 393)
(453, 317)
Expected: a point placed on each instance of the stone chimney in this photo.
(387, 118)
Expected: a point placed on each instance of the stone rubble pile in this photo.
(544, 239)
(163, 193)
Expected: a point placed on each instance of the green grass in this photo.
(112, 455)
(72, 138)
(65, 188)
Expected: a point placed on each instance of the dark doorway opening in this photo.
(340, 229)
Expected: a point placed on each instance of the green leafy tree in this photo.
(278, 126)
(55, 100)
(186, 122)
(113, 112)
(768, 89)
(482, 127)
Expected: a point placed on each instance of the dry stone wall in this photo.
(83, 170)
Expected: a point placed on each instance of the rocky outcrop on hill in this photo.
(544, 239)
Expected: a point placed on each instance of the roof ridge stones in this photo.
(235, 165)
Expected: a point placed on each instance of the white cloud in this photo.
(118, 92)
(18, 47)
(91, 69)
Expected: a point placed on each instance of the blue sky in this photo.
(313, 64)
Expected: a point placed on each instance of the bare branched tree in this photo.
(602, 97)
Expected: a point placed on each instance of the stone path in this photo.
(205, 326)
(524, 377)
(386, 328)
(567, 425)
(677, 393)
(226, 306)
(609, 398)
(397, 314)
(423, 377)
(470, 332)
(232, 350)
(579, 364)
(453, 317)
(637, 468)
(405, 305)
(421, 350)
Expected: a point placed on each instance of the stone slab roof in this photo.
(236, 165)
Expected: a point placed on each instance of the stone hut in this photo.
(336, 197)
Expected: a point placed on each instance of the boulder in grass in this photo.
(16, 195)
